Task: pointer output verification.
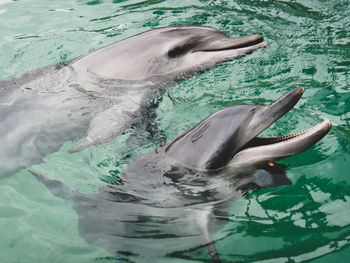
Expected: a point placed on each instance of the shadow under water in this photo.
(155, 211)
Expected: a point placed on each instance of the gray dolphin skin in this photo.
(169, 202)
(99, 96)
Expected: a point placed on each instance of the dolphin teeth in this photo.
(326, 124)
(259, 141)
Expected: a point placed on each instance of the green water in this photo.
(309, 46)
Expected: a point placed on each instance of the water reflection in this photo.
(156, 210)
(301, 34)
(299, 222)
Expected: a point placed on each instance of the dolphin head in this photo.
(197, 48)
(169, 52)
(227, 139)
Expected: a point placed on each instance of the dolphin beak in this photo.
(270, 149)
(279, 107)
(251, 41)
(267, 115)
(267, 149)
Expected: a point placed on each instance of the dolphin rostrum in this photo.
(98, 96)
(168, 202)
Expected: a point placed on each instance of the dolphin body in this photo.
(169, 201)
(99, 96)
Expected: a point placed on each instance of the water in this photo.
(309, 46)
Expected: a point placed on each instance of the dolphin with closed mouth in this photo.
(99, 96)
(168, 202)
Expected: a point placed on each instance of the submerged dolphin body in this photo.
(168, 202)
(99, 95)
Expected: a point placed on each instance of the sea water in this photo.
(309, 46)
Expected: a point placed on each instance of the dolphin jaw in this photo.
(249, 41)
(265, 150)
(223, 50)
(225, 54)
(206, 59)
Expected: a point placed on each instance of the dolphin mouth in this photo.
(269, 149)
(319, 131)
(250, 41)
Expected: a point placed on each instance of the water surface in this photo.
(309, 46)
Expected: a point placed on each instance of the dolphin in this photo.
(101, 95)
(170, 201)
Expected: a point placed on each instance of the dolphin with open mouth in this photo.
(232, 132)
(170, 201)
(101, 95)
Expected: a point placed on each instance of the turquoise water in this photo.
(309, 46)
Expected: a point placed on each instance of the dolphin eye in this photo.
(179, 51)
(185, 47)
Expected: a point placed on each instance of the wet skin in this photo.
(99, 96)
(168, 202)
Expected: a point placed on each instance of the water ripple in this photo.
(309, 46)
